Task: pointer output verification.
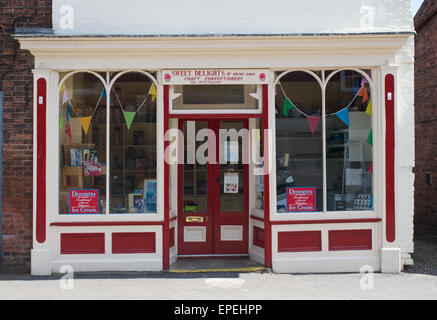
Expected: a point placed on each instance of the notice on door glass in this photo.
(231, 182)
(301, 199)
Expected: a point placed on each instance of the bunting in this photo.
(288, 105)
(344, 115)
(129, 116)
(369, 108)
(85, 122)
(313, 122)
(153, 92)
(61, 122)
(370, 138)
(363, 91)
(65, 97)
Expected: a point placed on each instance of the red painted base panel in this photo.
(82, 243)
(340, 240)
(258, 237)
(299, 241)
(134, 242)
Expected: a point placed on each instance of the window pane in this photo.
(82, 138)
(133, 145)
(203, 97)
(349, 142)
(299, 144)
(231, 166)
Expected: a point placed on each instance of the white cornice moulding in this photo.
(135, 45)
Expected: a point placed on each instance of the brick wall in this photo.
(425, 219)
(16, 81)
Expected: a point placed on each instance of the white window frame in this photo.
(377, 179)
(53, 140)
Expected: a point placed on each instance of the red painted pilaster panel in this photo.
(390, 157)
(134, 242)
(258, 237)
(82, 243)
(41, 101)
(299, 241)
(340, 240)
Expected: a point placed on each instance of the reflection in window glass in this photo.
(258, 168)
(299, 144)
(223, 97)
(133, 145)
(82, 138)
(349, 142)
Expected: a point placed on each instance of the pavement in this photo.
(261, 285)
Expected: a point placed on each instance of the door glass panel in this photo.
(231, 166)
(195, 181)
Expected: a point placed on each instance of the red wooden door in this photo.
(213, 196)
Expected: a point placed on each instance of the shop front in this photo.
(277, 149)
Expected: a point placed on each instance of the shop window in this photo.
(301, 150)
(133, 185)
(130, 170)
(299, 143)
(82, 138)
(349, 141)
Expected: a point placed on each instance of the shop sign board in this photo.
(83, 201)
(215, 76)
(301, 199)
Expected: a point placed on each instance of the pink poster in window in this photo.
(83, 201)
(301, 199)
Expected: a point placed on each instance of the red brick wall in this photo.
(17, 85)
(425, 215)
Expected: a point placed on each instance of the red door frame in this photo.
(267, 224)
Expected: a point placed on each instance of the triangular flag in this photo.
(288, 105)
(344, 115)
(363, 93)
(61, 122)
(363, 81)
(103, 93)
(371, 168)
(152, 91)
(370, 138)
(68, 132)
(369, 108)
(68, 113)
(63, 87)
(129, 116)
(313, 122)
(65, 97)
(85, 122)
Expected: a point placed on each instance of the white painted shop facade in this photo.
(285, 51)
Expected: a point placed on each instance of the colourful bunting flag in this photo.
(369, 108)
(103, 93)
(68, 131)
(371, 168)
(85, 122)
(68, 113)
(344, 115)
(313, 122)
(63, 87)
(61, 123)
(370, 138)
(288, 105)
(363, 93)
(153, 92)
(129, 116)
(65, 97)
